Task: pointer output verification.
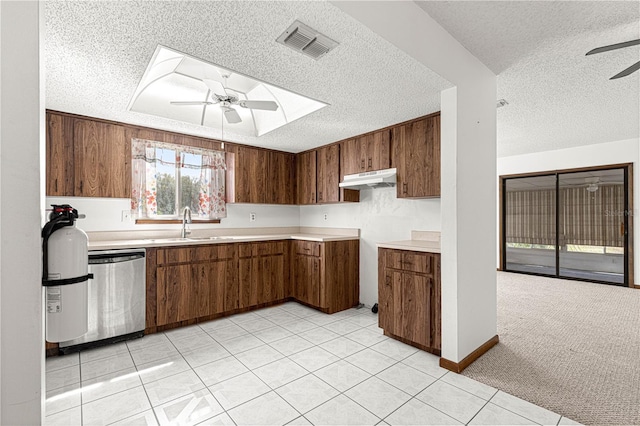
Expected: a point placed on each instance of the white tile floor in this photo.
(287, 364)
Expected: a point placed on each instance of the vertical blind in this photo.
(586, 218)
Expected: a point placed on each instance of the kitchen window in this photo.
(166, 178)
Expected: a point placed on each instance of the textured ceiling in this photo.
(558, 97)
(96, 52)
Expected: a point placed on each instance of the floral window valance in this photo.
(166, 178)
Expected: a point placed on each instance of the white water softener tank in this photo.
(65, 275)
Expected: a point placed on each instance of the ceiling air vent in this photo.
(305, 39)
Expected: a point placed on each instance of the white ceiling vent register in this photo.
(304, 39)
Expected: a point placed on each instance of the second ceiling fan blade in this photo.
(265, 105)
(191, 103)
(613, 47)
(232, 116)
(215, 86)
(633, 68)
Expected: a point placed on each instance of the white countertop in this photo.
(111, 244)
(412, 245)
(425, 241)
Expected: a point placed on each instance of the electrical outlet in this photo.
(126, 215)
(325, 216)
(252, 217)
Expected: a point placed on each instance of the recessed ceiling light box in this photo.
(184, 88)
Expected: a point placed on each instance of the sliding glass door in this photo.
(569, 225)
(530, 224)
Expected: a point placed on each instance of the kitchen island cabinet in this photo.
(409, 297)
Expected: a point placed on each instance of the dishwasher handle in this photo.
(101, 259)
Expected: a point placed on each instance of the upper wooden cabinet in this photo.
(416, 156)
(328, 174)
(261, 176)
(249, 174)
(100, 160)
(306, 173)
(366, 153)
(281, 178)
(86, 158)
(60, 157)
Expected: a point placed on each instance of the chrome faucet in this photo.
(186, 218)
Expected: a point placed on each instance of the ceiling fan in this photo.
(218, 94)
(633, 68)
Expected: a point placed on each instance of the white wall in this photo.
(468, 141)
(625, 151)
(21, 141)
(381, 217)
(105, 214)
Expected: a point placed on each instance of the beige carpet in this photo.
(569, 346)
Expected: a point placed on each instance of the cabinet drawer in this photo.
(195, 254)
(245, 250)
(417, 262)
(268, 248)
(409, 261)
(309, 248)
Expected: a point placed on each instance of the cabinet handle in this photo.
(404, 188)
(370, 165)
(320, 195)
(81, 182)
(313, 197)
(362, 164)
(387, 280)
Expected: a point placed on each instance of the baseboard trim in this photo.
(458, 367)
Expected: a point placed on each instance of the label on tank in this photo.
(54, 300)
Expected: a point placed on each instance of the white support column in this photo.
(468, 142)
(21, 121)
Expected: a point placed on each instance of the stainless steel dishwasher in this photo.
(116, 299)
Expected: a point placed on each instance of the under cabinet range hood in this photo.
(373, 179)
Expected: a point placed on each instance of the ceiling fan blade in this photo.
(613, 47)
(633, 68)
(265, 105)
(215, 86)
(191, 103)
(232, 116)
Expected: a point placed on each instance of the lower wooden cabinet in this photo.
(264, 275)
(409, 297)
(326, 275)
(194, 282)
(197, 283)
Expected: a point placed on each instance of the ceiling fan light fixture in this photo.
(592, 187)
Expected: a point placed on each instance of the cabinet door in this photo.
(328, 174)
(417, 158)
(378, 151)
(415, 317)
(269, 272)
(100, 160)
(173, 295)
(281, 178)
(306, 173)
(307, 279)
(387, 299)
(352, 160)
(60, 156)
(250, 174)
